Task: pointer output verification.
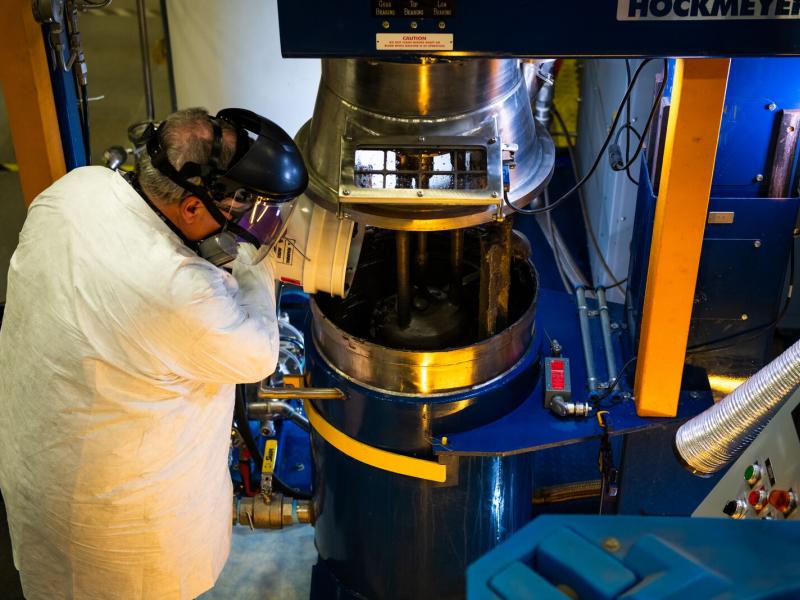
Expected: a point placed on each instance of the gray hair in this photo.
(188, 137)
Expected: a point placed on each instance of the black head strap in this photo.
(160, 160)
(216, 144)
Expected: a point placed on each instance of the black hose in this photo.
(86, 131)
(240, 415)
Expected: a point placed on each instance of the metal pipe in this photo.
(565, 408)
(144, 46)
(712, 439)
(456, 264)
(403, 245)
(586, 338)
(421, 265)
(421, 258)
(568, 491)
(530, 69)
(544, 96)
(630, 313)
(287, 393)
(276, 408)
(605, 324)
(544, 100)
(274, 512)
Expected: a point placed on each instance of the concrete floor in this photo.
(267, 564)
(262, 564)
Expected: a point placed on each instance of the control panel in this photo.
(536, 29)
(764, 482)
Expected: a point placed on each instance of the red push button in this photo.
(757, 499)
(783, 500)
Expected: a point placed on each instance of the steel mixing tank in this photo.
(437, 331)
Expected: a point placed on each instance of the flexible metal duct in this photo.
(713, 438)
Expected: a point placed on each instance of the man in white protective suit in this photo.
(119, 351)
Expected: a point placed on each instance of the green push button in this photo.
(752, 474)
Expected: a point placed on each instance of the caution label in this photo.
(414, 41)
(691, 10)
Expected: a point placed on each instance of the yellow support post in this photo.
(698, 100)
(25, 77)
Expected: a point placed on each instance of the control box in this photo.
(764, 482)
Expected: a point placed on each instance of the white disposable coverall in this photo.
(118, 354)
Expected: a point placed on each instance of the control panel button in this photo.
(783, 500)
(757, 499)
(752, 474)
(735, 509)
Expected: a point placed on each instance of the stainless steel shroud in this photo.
(422, 101)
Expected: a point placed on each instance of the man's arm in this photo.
(227, 323)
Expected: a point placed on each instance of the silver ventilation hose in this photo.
(715, 437)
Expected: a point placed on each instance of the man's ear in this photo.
(191, 209)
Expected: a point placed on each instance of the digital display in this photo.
(413, 9)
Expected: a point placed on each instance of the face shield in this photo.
(250, 198)
(261, 224)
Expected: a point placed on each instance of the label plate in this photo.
(413, 9)
(721, 217)
(414, 41)
(706, 10)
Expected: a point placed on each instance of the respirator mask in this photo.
(250, 198)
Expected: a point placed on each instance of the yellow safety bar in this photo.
(698, 100)
(375, 457)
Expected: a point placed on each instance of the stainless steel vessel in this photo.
(420, 372)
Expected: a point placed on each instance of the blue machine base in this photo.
(641, 557)
(532, 427)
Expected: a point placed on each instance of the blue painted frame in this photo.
(67, 109)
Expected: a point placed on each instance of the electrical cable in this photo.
(615, 382)
(240, 415)
(650, 116)
(568, 286)
(584, 210)
(748, 334)
(83, 100)
(628, 126)
(600, 154)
